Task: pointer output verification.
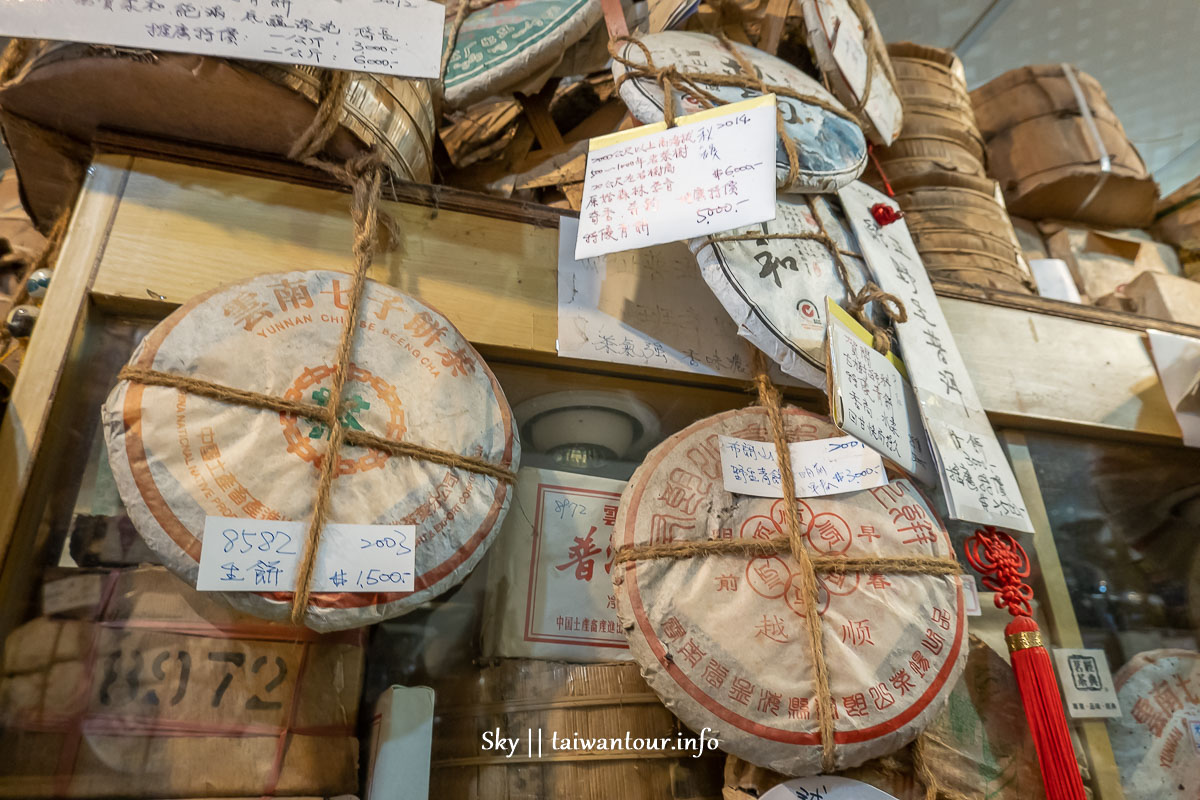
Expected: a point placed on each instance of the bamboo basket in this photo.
(1046, 157)
(519, 697)
(65, 94)
(939, 126)
(962, 232)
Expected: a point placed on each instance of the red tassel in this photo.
(1003, 563)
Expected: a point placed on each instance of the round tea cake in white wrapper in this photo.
(832, 150)
(840, 41)
(1156, 740)
(179, 457)
(775, 289)
(505, 44)
(722, 639)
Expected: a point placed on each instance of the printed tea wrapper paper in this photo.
(721, 638)
(831, 150)
(549, 591)
(396, 37)
(179, 458)
(1156, 742)
(773, 288)
(654, 184)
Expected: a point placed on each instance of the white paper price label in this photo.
(254, 555)
(871, 399)
(392, 37)
(712, 172)
(821, 467)
(1087, 684)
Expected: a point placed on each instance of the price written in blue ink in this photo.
(249, 555)
(820, 467)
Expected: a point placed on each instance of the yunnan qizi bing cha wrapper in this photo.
(722, 639)
(178, 457)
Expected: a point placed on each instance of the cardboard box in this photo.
(1154, 294)
(1103, 261)
(1178, 216)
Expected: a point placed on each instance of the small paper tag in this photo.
(253, 555)
(971, 596)
(821, 467)
(1087, 684)
(714, 171)
(871, 398)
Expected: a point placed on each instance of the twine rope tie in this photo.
(671, 79)
(367, 174)
(465, 7)
(810, 566)
(856, 300)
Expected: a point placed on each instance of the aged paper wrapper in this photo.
(549, 592)
(1157, 741)
(775, 289)
(833, 151)
(721, 639)
(178, 458)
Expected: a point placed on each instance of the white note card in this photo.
(975, 475)
(254, 555)
(872, 400)
(971, 596)
(391, 37)
(712, 172)
(1087, 683)
(819, 467)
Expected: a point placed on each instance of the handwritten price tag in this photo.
(254, 555)
(712, 172)
(392, 37)
(821, 467)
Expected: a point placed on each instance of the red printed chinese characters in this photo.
(722, 639)
(1156, 741)
(179, 457)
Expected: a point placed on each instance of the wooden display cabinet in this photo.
(155, 225)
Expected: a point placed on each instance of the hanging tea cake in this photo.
(723, 640)
(852, 56)
(832, 150)
(775, 288)
(510, 46)
(179, 457)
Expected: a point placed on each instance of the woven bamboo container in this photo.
(65, 94)
(962, 232)
(1043, 151)
(939, 132)
(521, 697)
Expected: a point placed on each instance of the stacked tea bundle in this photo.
(936, 171)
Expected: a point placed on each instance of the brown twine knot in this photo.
(893, 308)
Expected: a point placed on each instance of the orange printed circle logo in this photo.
(363, 391)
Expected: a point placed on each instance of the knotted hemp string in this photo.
(856, 301)
(874, 57)
(670, 78)
(810, 566)
(465, 7)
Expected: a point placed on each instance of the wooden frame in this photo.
(149, 233)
